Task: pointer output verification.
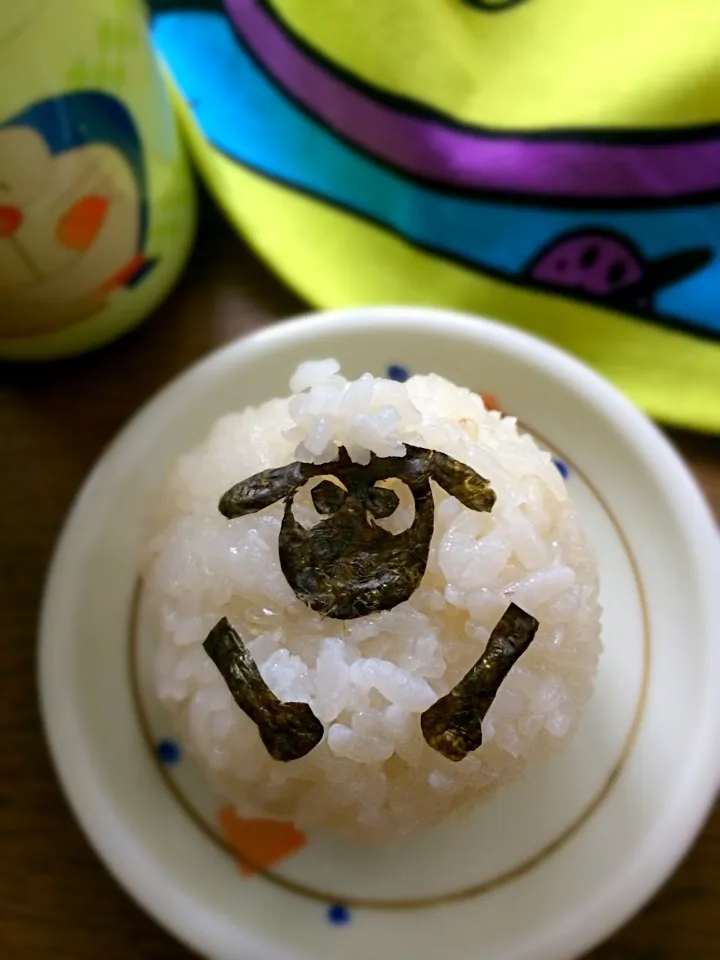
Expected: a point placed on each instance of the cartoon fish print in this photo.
(607, 266)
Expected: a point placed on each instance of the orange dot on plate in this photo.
(259, 843)
(491, 402)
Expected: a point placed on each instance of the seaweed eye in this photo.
(391, 505)
(328, 497)
(382, 502)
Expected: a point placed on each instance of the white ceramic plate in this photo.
(551, 866)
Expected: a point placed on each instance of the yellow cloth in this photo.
(551, 163)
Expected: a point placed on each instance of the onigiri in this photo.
(365, 676)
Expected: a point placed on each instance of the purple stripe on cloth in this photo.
(427, 148)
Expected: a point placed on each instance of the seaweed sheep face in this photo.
(347, 566)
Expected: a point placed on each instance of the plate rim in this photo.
(642, 878)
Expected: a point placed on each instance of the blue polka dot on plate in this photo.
(562, 467)
(338, 914)
(168, 752)
(396, 372)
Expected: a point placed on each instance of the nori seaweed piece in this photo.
(453, 725)
(328, 497)
(382, 503)
(264, 489)
(346, 566)
(288, 730)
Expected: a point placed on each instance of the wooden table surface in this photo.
(56, 901)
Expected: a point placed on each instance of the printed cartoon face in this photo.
(69, 227)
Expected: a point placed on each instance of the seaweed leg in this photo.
(288, 730)
(453, 725)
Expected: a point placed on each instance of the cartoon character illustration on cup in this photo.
(73, 212)
(97, 203)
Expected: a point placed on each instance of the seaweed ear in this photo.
(264, 489)
(462, 482)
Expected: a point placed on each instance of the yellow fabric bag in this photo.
(551, 163)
